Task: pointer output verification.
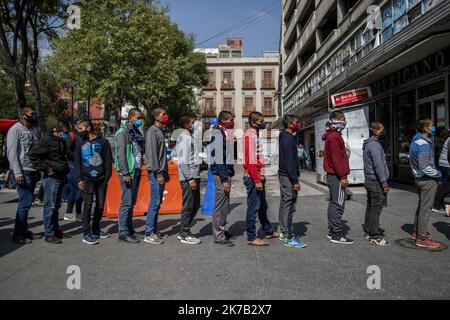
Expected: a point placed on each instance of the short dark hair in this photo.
(156, 112)
(336, 115)
(224, 115)
(422, 124)
(88, 123)
(288, 120)
(254, 116)
(133, 112)
(375, 126)
(26, 109)
(62, 126)
(185, 119)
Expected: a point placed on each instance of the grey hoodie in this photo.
(375, 166)
(156, 152)
(19, 142)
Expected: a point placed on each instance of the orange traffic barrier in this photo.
(172, 201)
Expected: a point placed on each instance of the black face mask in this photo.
(83, 135)
(33, 119)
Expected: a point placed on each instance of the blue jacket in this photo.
(421, 157)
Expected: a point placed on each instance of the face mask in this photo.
(32, 118)
(296, 127)
(83, 135)
(138, 123)
(65, 137)
(228, 125)
(433, 131)
(194, 127)
(165, 119)
(262, 126)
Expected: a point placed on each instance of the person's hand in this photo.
(226, 186)
(297, 187)
(193, 185)
(20, 180)
(259, 186)
(344, 183)
(263, 179)
(50, 172)
(386, 190)
(81, 185)
(126, 179)
(161, 180)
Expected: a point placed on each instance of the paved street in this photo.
(113, 270)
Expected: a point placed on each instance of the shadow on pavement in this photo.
(443, 227)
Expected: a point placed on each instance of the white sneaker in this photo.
(153, 239)
(189, 240)
(69, 217)
(440, 211)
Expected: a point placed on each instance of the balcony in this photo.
(322, 9)
(210, 86)
(268, 112)
(249, 85)
(289, 5)
(228, 85)
(268, 85)
(246, 112)
(209, 112)
(307, 33)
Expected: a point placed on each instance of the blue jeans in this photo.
(156, 198)
(73, 194)
(256, 206)
(128, 200)
(25, 194)
(53, 191)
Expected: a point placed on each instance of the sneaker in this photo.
(439, 211)
(366, 237)
(379, 242)
(61, 235)
(189, 239)
(230, 236)
(39, 203)
(101, 235)
(137, 236)
(53, 240)
(282, 237)
(414, 236)
(329, 236)
(33, 236)
(89, 239)
(273, 235)
(225, 243)
(341, 240)
(427, 243)
(153, 239)
(69, 217)
(258, 243)
(78, 218)
(128, 239)
(294, 243)
(162, 236)
(21, 239)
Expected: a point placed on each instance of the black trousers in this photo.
(97, 188)
(191, 205)
(376, 200)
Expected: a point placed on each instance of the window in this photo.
(211, 77)
(209, 104)
(248, 103)
(268, 106)
(224, 54)
(248, 76)
(267, 76)
(227, 77)
(227, 104)
(236, 54)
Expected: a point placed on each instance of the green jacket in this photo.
(124, 161)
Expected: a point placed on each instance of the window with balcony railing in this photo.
(248, 106)
(209, 108)
(267, 82)
(249, 80)
(227, 104)
(227, 80)
(268, 107)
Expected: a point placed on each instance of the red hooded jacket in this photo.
(335, 159)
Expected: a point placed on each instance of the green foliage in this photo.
(139, 56)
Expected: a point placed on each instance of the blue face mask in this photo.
(138, 123)
(194, 127)
(433, 131)
(262, 126)
(65, 137)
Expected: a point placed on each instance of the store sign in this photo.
(349, 97)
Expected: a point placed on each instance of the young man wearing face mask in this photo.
(189, 176)
(426, 175)
(128, 142)
(49, 155)
(255, 182)
(158, 172)
(336, 165)
(288, 175)
(21, 138)
(376, 175)
(222, 167)
(93, 167)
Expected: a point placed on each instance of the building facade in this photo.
(239, 84)
(398, 49)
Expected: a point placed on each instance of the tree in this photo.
(139, 56)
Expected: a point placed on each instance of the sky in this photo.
(207, 18)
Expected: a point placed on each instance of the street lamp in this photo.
(90, 69)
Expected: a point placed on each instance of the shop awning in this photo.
(5, 124)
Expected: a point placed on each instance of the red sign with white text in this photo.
(352, 96)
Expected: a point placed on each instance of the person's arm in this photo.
(338, 157)
(288, 148)
(107, 158)
(38, 156)
(78, 163)
(183, 155)
(424, 159)
(377, 155)
(151, 152)
(217, 145)
(12, 147)
(121, 144)
(250, 159)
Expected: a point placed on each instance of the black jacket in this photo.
(93, 160)
(50, 152)
(289, 165)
